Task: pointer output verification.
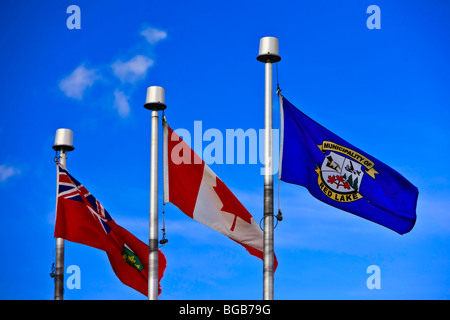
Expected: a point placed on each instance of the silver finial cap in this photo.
(155, 98)
(268, 50)
(63, 140)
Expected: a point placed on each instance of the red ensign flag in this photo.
(82, 219)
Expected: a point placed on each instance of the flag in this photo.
(199, 193)
(341, 175)
(82, 219)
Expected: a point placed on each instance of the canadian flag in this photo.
(198, 192)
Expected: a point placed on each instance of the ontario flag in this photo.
(199, 193)
(82, 219)
(341, 175)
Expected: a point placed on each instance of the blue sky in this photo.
(385, 90)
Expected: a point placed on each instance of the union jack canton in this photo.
(70, 188)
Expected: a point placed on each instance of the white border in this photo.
(280, 163)
(165, 163)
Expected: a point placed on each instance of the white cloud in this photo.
(121, 103)
(7, 172)
(125, 71)
(78, 81)
(153, 35)
(132, 70)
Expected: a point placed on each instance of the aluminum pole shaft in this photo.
(268, 286)
(59, 258)
(153, 230)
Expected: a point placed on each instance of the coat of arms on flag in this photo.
(340, 177)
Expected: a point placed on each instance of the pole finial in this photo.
(268, 50)
(63, 140)
(155, 98)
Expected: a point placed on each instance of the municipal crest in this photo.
(342, 172)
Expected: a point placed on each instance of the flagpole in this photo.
(155, 101)
(268, 54)
(63, 144)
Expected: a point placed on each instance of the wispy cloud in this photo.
(121, 103)
(75, 84)
(153, 35)
(132, 70)
(7, 172)
(125, 71)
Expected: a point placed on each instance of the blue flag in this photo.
(343, 176)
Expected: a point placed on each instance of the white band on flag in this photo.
(165, 164)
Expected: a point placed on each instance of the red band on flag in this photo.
(185, 173)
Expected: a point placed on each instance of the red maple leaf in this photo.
(231, 204)
(331, 179)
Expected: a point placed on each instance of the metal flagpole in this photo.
(155, 102)
(268, 54)
(63, 144)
